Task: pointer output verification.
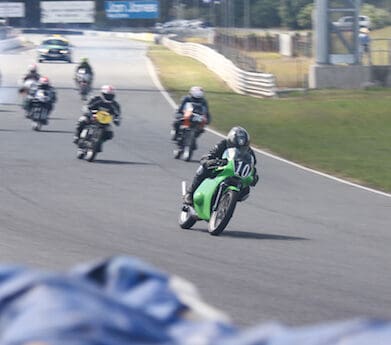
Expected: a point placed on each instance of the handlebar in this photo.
(216, 163)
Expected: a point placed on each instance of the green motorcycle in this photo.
(215, 199)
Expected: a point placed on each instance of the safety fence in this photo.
(250, 83)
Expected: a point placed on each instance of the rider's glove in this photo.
(117, 122)
(210, 163)
(255, 180)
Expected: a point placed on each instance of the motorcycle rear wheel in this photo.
(177, 153)
(80, 154)
(186, 219)
(225, 209)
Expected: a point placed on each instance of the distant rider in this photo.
(237, 137)
(197, 98)
(43, 84)
(105, 101)
(32, 73)
(84, 64)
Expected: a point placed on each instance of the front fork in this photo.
(222, 188)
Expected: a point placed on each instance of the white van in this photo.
(347, 22)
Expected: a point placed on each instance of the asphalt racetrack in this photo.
(302, 249)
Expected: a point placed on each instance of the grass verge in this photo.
(345, 133)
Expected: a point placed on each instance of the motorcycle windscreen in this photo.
(243, 162)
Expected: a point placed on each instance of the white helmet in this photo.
(108, 92)
(33, 68)
(196, 92)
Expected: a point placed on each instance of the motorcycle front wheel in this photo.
(188, 145)
(187, 153)
(225, 209)
(36, 126)
(90, 155)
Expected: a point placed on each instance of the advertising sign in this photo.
(12, 10)
(142, 9)
(67, 11)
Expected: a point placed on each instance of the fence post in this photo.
(389, 51)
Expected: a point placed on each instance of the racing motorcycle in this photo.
(39, 111)
(93, 135)
(215, 199)
(83, 80)
(192, 124)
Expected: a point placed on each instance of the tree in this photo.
(264, 14)
(379, 17)
(304, 18)
(289, 10)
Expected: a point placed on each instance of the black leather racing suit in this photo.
(99, 103)
(32, 75)
(86, 66)
(49, 91)
(203, 172)
(88, 69)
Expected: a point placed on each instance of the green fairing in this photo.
(203, 195)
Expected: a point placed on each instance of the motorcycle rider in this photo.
(237, 137)
(43, 84)
(32, 73)
(84, 64)
(197, 98)
(103, 101)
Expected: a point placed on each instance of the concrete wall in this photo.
(348, 77)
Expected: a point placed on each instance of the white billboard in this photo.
(67, 11)
(12, 10)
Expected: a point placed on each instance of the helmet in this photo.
(84, 60)
(108, 93)
(196, 92)
(43, 81)
(33, 68)
(364, 30)
(238, 137)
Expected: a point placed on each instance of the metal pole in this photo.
(356, 31)
(196, 9)
(321, 32)
(247, 13)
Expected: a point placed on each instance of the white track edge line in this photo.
(153, 73)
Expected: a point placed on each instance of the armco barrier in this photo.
(141, 36)
(250, 83)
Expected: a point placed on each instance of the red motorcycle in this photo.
(191, 127)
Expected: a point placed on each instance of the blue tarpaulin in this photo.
(122, 301)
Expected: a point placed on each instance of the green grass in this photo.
(345, 133)
(293, 71)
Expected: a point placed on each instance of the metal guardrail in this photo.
(250, 83)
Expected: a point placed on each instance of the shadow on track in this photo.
(260, 236)
(114, 162)
(253, 235)
(13, 130)
(57, 118)
(55, 131)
